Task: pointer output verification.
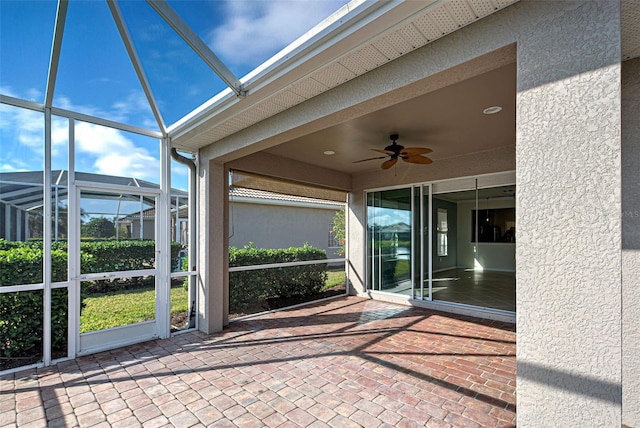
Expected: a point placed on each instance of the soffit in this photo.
(394, 38)
(393, 33)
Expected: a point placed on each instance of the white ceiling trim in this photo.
(361, 40)
(364, 39)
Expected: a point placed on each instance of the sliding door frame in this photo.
(426, 189)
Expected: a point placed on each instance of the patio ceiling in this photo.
(449, 121)
(361, 38)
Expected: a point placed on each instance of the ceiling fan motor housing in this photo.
(394, 147)
(395, 151)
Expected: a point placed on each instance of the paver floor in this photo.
(345, 362)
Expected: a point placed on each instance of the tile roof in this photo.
(241, 192)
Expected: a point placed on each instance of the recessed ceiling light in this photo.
(492, 110)
(329, 152)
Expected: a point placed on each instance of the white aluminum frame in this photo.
(163, 241)
(135, 61)
(61, 17)
(413, 234)
(73, 235)
(119, 336)
(492, 180)
(199, 47)
(46, 242)
(96, 341)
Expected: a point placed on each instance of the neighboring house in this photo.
(272, 220)
(180, 217)
(265, 219)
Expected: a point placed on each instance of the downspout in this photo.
(192, 233)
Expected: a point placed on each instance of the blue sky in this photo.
(96, 77)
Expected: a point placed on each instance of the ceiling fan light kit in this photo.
(396, 151)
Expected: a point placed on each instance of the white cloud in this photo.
(135, 104)
(258, 28)
(6, 90)
(16, 167)
(26, 127)
(115, 154)
(102, 150)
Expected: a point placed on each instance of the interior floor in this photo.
(486, 289)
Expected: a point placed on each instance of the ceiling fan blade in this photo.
(386, 152)
(417, 159)
(412, 151)
(364, 160)
(388, 164)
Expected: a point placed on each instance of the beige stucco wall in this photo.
(568, 195)
(567, 162)
(631, 242)
(280, 226)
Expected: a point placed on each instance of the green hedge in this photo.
(248, 287)
(21, 312)
(21, 318)
(21, 263)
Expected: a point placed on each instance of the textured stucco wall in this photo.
(631, 242)
(567, 159)
(568, 215)
(568, 197)
(280, 226)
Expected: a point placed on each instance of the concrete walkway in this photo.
(346, 362)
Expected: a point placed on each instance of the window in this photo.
(442, 228)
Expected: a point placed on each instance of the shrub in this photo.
(102, 255)
(21, 326)
(248, 287)
(21, 312)
(23, 265)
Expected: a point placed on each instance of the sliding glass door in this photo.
(389, 241)
(435, 242)
(421, 242)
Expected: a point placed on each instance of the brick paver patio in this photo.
(346, 362)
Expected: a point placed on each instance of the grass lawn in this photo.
(335, 277)
(125, 307)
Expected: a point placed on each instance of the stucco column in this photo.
(213, 296)
(568, 253)
(631, 242)
(356, 236)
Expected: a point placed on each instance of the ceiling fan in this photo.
(395, 151)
